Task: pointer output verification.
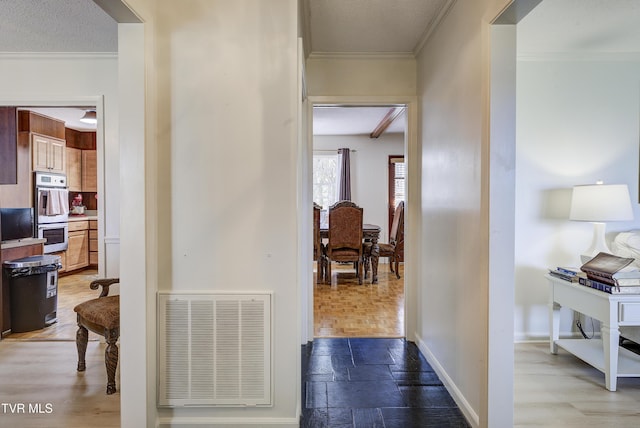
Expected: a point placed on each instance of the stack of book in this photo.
(611, 274)
(567, 273)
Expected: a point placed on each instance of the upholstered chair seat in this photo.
(104, 311)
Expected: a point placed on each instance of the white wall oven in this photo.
(51, 206)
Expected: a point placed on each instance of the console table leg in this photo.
(554, 325)
(610, 340)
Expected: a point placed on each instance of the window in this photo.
(397, 175)
(325, 168)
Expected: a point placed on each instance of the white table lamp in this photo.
(599, 204)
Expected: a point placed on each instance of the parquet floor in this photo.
(72, 289)
(347, 309)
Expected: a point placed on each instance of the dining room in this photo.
(359, 156)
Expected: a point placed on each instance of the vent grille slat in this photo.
(214, 349)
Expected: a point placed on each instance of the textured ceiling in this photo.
(370, 26)
(343, 27)
(56, 26)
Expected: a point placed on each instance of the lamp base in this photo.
(598, 243)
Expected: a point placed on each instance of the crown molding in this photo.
(58, 55)
(362, 55)
(579, 56)
(431, 27)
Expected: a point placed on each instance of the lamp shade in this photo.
(601, 203)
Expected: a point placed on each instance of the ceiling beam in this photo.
(386, 121)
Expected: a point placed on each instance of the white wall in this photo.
(226, 141)
(453, 328)
(369, 172)
(364, 76)
(52, 79)
(577, 122)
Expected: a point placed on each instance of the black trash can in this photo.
(33, 285)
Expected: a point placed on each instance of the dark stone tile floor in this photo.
(371, 383)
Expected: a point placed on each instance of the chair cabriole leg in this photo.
(82, 337)
(111, 359)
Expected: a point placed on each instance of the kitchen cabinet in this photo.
(82, 170)
(83, 140)
(78, 249)
(63, 260)
(48, 154)
(8, 145)
(74, 169)
(93, 242)
(89, 171)
(29, 121)
(47, 138)
(82, 165)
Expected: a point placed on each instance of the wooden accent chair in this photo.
(101, 316)
(395, 248)
(319, 252)
(345, 236)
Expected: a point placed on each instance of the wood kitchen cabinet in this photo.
(48, 154)
(93, 242)
(89, 171)
(74, 169)
(47, 138)
(82, 165)
(77, 255)
(8, 145)
(82, 173)
(63, 260)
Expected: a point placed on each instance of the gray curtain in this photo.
(344, 175)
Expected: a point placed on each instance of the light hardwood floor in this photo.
(559, 391)
(39, 384)
(550, 390)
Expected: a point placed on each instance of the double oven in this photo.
(51, 207)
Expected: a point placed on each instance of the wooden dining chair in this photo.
(102, 316)
(395, 248)
(319, 252)
(345, 237)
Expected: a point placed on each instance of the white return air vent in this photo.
(214, 349)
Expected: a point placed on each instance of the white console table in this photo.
(613, 311)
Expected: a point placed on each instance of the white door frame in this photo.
(97, 102)
(412, 215)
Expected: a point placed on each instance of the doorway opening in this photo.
(60, 126)
(372, 132)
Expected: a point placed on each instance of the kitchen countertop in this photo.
(22, 243)
(88, 215)
(82, 217)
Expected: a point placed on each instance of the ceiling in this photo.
(340, 27)
(371, 27)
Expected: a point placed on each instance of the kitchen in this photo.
(54, 163)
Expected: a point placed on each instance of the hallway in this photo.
(370, 382)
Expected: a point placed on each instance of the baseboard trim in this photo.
(456, 394)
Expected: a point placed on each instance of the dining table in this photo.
(370, 233)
